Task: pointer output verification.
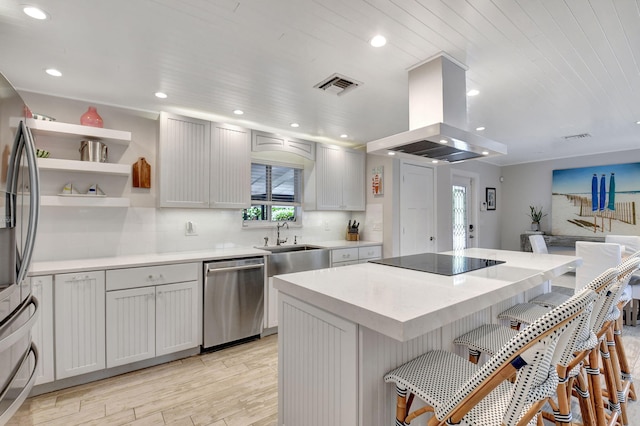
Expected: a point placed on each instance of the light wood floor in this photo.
(236, 386)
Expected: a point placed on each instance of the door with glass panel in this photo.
(461, 202)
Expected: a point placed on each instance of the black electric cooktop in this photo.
(435, 263)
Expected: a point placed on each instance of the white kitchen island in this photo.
(342, 329)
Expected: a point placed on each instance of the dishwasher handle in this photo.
(211, 270)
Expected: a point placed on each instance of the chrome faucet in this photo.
(278, 226)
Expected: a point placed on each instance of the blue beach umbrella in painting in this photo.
(594, 192)
(603, 191)
(612, 192)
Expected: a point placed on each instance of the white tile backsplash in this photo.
(66, 233)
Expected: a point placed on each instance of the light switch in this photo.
(190, 229)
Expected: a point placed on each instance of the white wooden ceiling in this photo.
(545, 68)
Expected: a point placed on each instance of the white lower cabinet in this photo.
(151, 320)
(177, 317)
(79, 312)
(131, 320)
(354, 255)
(42, 331)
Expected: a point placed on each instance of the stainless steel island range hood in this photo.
(437, 117)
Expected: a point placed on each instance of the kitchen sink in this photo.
(295, 258)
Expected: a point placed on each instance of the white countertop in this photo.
(103, 263)
(404, 304)
(79, 265)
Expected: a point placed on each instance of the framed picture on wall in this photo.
(491, 198)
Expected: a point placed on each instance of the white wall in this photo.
(530, 184)
(73, 233)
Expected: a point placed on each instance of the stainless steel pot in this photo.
(93, 151)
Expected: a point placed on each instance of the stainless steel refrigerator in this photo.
(19, 203)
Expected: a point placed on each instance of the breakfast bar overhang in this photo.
(341, 329)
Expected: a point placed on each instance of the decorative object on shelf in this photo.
(352, 231)
(41, 153)
(68, 189)
(490, 198)
(91, 118)
(36, 116)
(94, 190)
(377, 174)
(94, 151)
(536, 216)
(141, 174)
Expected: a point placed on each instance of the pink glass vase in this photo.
(91, 118)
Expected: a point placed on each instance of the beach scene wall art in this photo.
(596, 201)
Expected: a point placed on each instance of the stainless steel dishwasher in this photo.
(233, 300)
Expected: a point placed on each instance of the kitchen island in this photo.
(342, 329)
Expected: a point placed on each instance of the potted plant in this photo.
(536, 216)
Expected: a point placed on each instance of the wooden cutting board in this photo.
(141, 174)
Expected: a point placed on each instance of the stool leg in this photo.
(474, 356)
(593, 371)
(614, 366)
(625, 371)
(586, 408)
(563, 415)
(401, 405)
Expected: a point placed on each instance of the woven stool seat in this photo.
(487, 338)
(551, 299)
(524, 313)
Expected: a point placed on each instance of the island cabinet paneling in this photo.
(79, 312)
(330, 360)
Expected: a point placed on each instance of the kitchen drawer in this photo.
(373, 252)
(344, 255)
(120, 279)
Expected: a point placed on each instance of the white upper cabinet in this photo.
(185, 146)
(262, 141)
(230, 167)
(203, 164)
(340, 178)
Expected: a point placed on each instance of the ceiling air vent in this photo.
(337, 84)
(575, 137)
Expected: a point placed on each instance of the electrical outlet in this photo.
(190, 229)
(326, 225)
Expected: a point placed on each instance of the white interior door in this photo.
(417, 210)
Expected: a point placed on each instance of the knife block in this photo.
(353, 236)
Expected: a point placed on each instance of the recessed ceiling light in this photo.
(54, 72)
(161, 95)
(638, 122)
(378, 41)
(238, 111)
(443, 141)
(485, 152)
(35, 12)
(479, 129)
(294, 125)
(344, 136)
(391, 153)
(434, 161)
(473, 92)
